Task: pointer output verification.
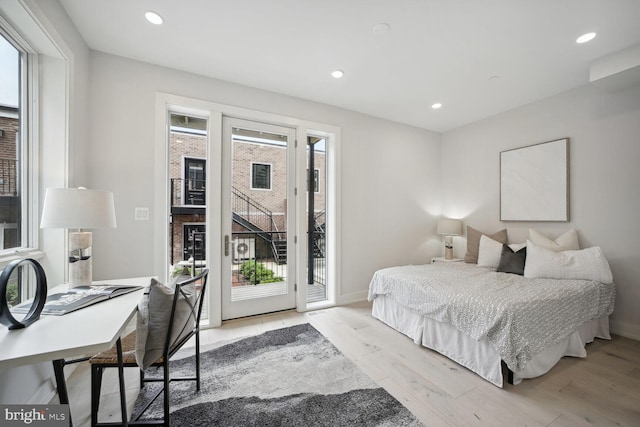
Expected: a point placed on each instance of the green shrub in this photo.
(256, 272)
(12, 294)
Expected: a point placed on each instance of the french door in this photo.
(258, 218)
(255, 203)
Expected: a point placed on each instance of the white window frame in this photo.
(27, 149)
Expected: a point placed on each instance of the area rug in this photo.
(286, 377)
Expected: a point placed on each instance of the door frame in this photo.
(214, 113)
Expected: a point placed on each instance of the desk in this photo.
(82, 332)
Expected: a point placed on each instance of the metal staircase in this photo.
(256, 218)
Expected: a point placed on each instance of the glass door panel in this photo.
(187, 148)
(316, 216)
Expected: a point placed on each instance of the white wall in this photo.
(604, 132)
(389, 172)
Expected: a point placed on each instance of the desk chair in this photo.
(183, 303)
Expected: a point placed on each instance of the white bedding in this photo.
(479, 356)
(439, 327)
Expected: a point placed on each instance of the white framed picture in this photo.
(534, 182)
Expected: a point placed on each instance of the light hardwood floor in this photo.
(601, 390)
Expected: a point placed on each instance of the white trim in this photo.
(625, 329)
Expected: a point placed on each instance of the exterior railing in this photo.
(183, 196)
(253, 212)
(261, 227)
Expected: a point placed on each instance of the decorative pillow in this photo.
(512, 260)
(585, 264)
(567, 242)
(490, 251)
(473, 242)
(154, 313)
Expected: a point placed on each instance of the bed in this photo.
(484, 319)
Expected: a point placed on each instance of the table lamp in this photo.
(449, 227)
(78, 208)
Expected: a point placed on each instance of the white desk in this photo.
(83, 332)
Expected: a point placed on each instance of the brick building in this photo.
(258, 191)
(9, 180)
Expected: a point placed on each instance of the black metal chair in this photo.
(192, 290)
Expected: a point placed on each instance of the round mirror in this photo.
(23, 292)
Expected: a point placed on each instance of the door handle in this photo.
(226, 245)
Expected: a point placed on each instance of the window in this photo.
(18, 225)
(260, 176)
(316, 180)
(194, 174)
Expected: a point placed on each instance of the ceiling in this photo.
(476, 57)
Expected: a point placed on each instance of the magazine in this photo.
(77, 298)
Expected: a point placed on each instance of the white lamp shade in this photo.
(79, 208)
(449, 227)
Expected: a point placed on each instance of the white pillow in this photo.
(585, 264)
(566, 242)
(154, 313)
(490, 251)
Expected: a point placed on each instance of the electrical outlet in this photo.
(142, 214)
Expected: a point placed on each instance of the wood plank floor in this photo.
(601, 390)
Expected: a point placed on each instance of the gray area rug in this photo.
(286, 377)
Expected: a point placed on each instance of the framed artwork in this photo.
(534, 182)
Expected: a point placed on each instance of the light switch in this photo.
(142, 214)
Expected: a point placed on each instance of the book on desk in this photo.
(77, 298)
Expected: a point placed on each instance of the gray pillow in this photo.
(154, 314)
(473, 242)
(512, 262)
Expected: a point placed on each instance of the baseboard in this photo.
(353, 297)
(625, 329)
(47, 391)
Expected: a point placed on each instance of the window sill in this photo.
(9, 256)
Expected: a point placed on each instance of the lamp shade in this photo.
(78, 208)
(449, 227)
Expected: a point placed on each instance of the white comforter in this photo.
(519, 316)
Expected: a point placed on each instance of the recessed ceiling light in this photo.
(381, 28)
(436, 105)
(153, 17)
(336, 74)
(587, 37)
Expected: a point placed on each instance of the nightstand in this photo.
(442, 259)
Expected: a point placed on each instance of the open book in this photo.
(77, 298)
